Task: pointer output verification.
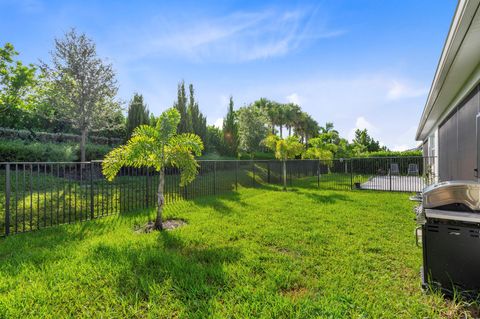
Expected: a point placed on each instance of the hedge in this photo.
(22, 151)
(392, 154)
(9, 134)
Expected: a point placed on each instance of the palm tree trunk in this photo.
(281, 131)
(161, 201)
(284, 175)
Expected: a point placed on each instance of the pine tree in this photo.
(181, 106)
(230, 130)
(138, 114)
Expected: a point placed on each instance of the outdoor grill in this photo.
(449, 218)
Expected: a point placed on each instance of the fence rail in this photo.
(35, 195)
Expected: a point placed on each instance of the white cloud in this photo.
(399, 90)
(362, 123)
(293, 98)
(402, 147)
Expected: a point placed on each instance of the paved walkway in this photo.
(395, 183)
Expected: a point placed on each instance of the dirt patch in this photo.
(168, 224)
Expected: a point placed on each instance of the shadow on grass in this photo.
(188, 273)
(326, 198)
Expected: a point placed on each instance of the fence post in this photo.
(318, 174)
(92, 213)
(351, 173)
(253, 173)
(7, 199)
(390, 174)
(268, 172)
(236, 175)
(214, 177)
(147, 200)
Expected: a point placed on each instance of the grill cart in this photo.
(449, 230)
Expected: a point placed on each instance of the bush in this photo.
(22, 151)
(9, 134)
(391, 154)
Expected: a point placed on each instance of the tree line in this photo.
(76, 92)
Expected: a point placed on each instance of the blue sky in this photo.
(359, 64)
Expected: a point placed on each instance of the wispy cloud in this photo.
(399, 90)
(235, 37)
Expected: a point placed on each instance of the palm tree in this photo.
(270, 110)
(284, 149)
(292, 112)
(158, 146)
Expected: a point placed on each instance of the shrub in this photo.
(9, 134)
(23, 151)
(391, 154)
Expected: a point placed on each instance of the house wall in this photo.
(457, 140)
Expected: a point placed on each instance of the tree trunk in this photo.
(284, 175)
(281, 131)
(161, 201)
(289, 131)
(83, 143)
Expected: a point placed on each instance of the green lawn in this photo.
(252, 253)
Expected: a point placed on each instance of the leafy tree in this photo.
(230, 130)
(321, 150)
(251, 128)
(284, 149)
(181, 106)
(159, 146)
(363, 142)
(137, 115)
(82, 86)
(17, 87)
(270, 111)
(214, 140)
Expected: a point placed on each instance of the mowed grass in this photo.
(261, 253)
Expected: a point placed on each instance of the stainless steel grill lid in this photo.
(452, 192)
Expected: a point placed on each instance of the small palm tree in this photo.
(284, 149)
(158, 147)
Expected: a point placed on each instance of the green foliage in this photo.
(392, 154)
(230, 130)
(158, 146)
(196, 121)
(214, 142)
(251, 128)
(45, 137)
(137, 115)
(17, 88)
(23, 151)
(320, 149)
(284, 149)
(363, 143)
(81, 86)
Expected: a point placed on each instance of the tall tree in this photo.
(292, 112)
(137, 115)
(17, 83)
(159, 147)
(181, 106)
(363, 142)
(83, 86)
(196, 121)
(270, 110)
(230, 130)
(251, 128)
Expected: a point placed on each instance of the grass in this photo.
(253, 253)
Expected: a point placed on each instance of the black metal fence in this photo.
(37, 195)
